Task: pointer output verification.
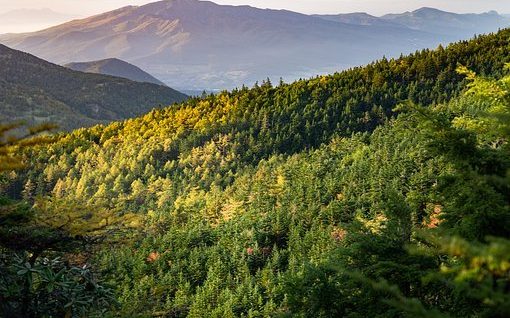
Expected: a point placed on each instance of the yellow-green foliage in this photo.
(298, 200)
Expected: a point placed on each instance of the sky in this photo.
(376, 7)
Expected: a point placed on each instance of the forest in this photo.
(35, 91)
(380, 191)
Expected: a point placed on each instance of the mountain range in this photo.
(454, 25)
(357, 18)
(36, 91)
(430, 20)
(191, 44)
(115, 67)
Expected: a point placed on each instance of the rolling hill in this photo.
(115, 67)
(36, 91)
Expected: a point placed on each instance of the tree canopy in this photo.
(381, 191)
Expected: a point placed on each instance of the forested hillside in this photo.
(378, 191)
(248, 125)
(37, 91)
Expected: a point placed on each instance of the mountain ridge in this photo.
(359, 18)
(115, 67)
(204, 45)
(36, 91)
(437, 21)
(196, 45)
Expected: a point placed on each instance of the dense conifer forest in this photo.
(381, 191)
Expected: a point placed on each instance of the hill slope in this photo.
(36, 91)
(115, 67)
(290, 118)
(261, 200)
(191, 43)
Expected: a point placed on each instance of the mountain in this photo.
(196, 45)
(201, 45)
(24, 20)
(452, 24)
(115, 67)
(37, 91)
(311, 199)
(358, 18)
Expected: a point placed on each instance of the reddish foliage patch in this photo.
(338, 234)
(153, 256)
(435, 217)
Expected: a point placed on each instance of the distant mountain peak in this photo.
(192, 44)
(427, 9)
(115, 67)
(167, 4)
(356, 18)
(437, 21)
(358, 14)
(428, 12)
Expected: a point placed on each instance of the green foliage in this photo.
(205, 143)
(48, 288)
(34, 282)
(311, 199)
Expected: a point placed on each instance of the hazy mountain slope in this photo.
(34, 90)
(357, 18)
(115, 67)
(190, 43)
(452, 24)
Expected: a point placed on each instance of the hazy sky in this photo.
(377, 7)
